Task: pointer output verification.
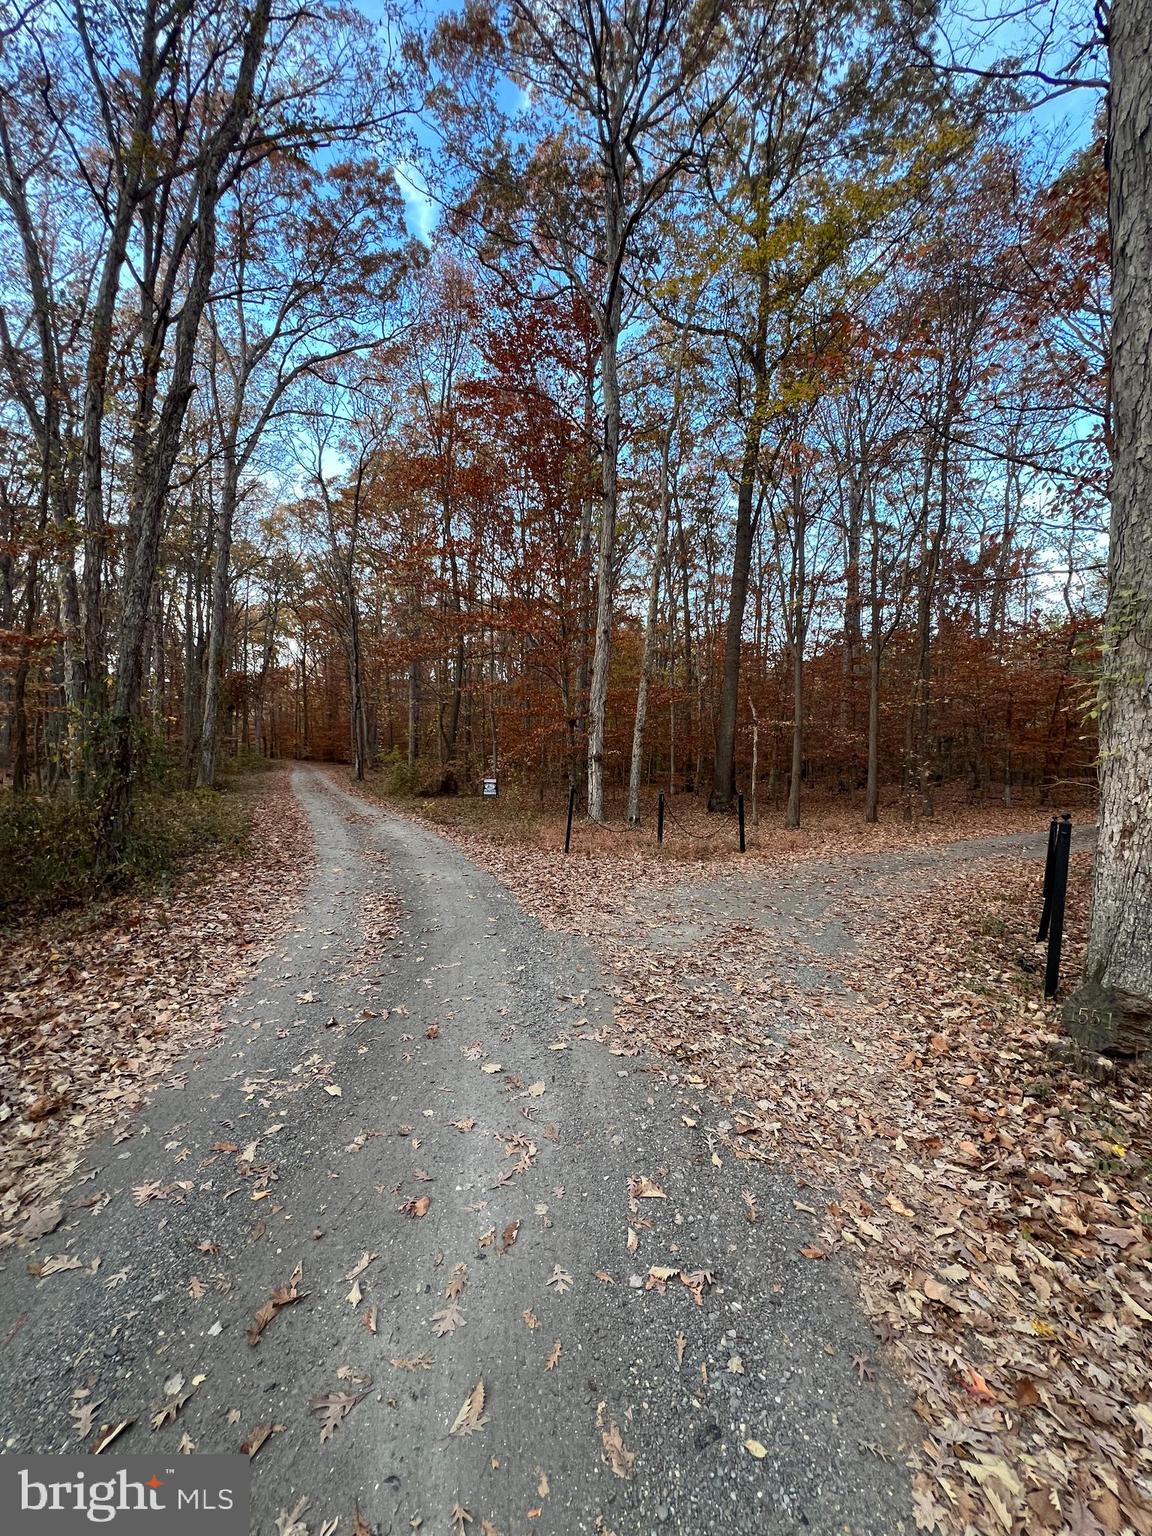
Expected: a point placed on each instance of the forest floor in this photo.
(655, 1196)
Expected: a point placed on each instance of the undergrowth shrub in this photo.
(48, 844)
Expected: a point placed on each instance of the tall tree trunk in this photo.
(724, 764)
(1114, 1008)
(217, 619)
(601, 655)
(872, 793)
(799, 628)
(649, 652)
(658, 557)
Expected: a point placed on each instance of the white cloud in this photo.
(420, 212)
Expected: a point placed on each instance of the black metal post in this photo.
(660, 818)
(1059, 894)
(571, 808)
(1046, 909)
(740, 814)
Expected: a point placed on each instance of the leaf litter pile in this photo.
(878, 1024)
(96, 1007)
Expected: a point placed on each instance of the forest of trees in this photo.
(744, 412)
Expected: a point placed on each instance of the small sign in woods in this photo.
(491, 786)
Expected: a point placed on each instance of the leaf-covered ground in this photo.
(97, 1006)
(871, 1013)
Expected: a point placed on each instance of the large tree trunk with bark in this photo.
(646, 663)
(601, 654)
(1114, 1008)
(659, 555)
(724, 764)
(217, 619)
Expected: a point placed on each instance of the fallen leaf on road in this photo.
(467, 1124)
(531, 1321)
(166, 1411)
(282, 1296)
(334, 1408)
(460, 1517)
(560, 1279)
(471, 1417)
(447, 1320)
(355, 1296)
(412, 1363)
(553, 1356)
(681, 1346)
(361, 1265)
(83, 1417)
(42, 1220)
(256, 1439)
(334, 1089)
(186, 1446)
(455, 1286)
(289, 1523)
(370, 1319)
(616, 1454)
(417, 1208)
(492, 1066)
(110, 1432)
(695, 1280)
(643, 1189)
(511, 1233)
(54, 1265)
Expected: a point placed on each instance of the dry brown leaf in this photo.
(447, 1320)
(471, 1417)
(84, 1417)
(334, 1408)
(108, 1433)
(251, 1444)
(616, 1454)
(282, 1296)
(361, 1265)
(553, 1356)
(412, 1363)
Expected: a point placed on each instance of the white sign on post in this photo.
(490, 786)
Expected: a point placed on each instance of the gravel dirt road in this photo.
(418, 1036)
